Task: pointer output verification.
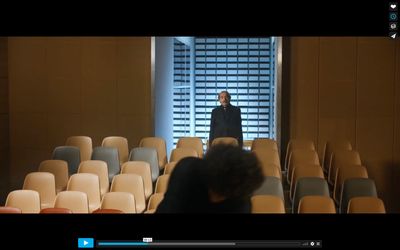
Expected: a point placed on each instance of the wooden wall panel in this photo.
(304, 88)
(63, 86)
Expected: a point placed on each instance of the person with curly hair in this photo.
(222, 182)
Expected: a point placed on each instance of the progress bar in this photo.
(217, 244)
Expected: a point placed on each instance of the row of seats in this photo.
(28, 201)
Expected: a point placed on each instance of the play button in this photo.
(85, 242)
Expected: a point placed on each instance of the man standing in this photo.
(226, 120)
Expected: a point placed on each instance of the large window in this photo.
(181, 92)
(244, 67)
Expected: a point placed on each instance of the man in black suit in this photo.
(226, 120)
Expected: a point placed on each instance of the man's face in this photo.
(224, 99)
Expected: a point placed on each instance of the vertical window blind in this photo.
(244, 67)
(181, 91)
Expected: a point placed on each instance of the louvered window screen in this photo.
(244, 67)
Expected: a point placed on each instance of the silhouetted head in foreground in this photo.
(222, 182)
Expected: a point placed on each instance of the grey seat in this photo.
(356, 187)
(309, 186)
(110, 156)
(148, 155)
(71, 155)
(271, 186)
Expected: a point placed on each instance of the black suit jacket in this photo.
(226, 123)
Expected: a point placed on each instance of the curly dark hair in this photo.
(232, 172)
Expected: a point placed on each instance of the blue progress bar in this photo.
(122, 243)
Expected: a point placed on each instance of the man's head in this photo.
(232, 172)
(224, 98)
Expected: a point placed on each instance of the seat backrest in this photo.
(225, 140)
(26, 200)
(346, 172)
(120, 143)
(307, 170)
(89, 184)
(191, 142)
(267, 156)
(316, 205)
(69, 154)
(98, 168)
(159, 144)
(366, 205)
(84, 143)
(75, 201)
(44, 183)
(265, 143)
(309, 186)
(300, 156)
(148, 155)
(169, 167)
(342, 158)
(131, 183)
(140, 168)
(267, 204)
(272, 170)
(123, 201)
(355, 187)
(271, 186)
(330, 147)
(298, 144)
(179, 153)
(110, 156)
(154, 201)
(59, 169)
(162, 184)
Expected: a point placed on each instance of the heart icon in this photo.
(393, 6)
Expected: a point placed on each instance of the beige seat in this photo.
(154, 201)
(366, 205)
(26, 200)
(84, 143)
(272, 170)
(225, 140)
(169, 167)
(330, 147)
(191, 142)
(301, 157)
(317, 205)
(267, 204)
(98, 168)
(267, 157)
(162, 184)
(142, 169)
(304, 170)
(59, 169)
(121, 143)
(122, 201)
(264, 143)
(89, 184)
(131, 183)
(179, 153)
(75, 201)
(44, 183)
(159, 144)
(297, 144)
(346, 172)
(342, 158)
